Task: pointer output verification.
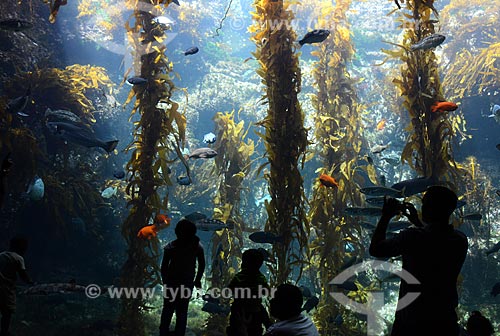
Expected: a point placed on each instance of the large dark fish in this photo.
(381, 191)
(428, 42)
(62, 116)
(212, 225)
(17, 105)
(80, 135)
(195, 216)
(191, 51)
(315, 36)
(15, 25)
(265, 237)
(414, 186)
(202, 153)
(54, 288)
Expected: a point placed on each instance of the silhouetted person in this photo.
(247, 312)
(478, 325)
(11, 265)
(178, 275)
(286, 306)
(4, 172)
(434, 255)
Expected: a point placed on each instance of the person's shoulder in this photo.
(169, 246)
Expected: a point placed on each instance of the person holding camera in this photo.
(434, 254)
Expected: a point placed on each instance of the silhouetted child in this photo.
(178, 275)
(434, 255)
(11, 265)
(478, 325)
(286, 306)
(247, 312)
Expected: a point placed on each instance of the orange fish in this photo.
(328, 181)
(381, 125)
(151, 231)
(443, 106)
(148, 232)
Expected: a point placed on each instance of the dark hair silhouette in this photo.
(252, 260)
(185, 230)
(19, 245)
(438, 204)
(478, 325)
(287, 302)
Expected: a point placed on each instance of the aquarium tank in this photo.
(249, 167)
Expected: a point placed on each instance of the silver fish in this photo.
(379, 148)
(428, 42)
(381, 191)
(202, 153)
(414, 186)
(370, 212)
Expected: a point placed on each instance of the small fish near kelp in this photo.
(36, 189)
(315, 36)
(377, 149)
(62, 116)
(17, 105)
(428, 42)
(210, 224)
(495, 113)
(443, 107)
(184, 180)
(209, 138)
(202, 153)
(137, 81)
(109, 192)
(328, 181)
(377, 191)
(151, 231)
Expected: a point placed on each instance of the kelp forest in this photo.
(275, 125)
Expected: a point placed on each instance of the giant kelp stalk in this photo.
(148, 162)
(232, 165)
(285, 136)
(428, 149)
(338, 134)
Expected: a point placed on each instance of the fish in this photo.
(498, 146)
(381, 191)
(17, 105)
(393, 161)
(493, 249)
(209, 138)
(498, 190)
(162, 105)
(183, 180)
(428, 42)
(54, 9)
(119, 174)
(306, 292)
(210, 224)
(375, 201)
(414, 186)
(472, 216)
(495, 290)
(62, 116)
(148, 232)
(214, 308)
(443, 107)
(348, 286)
(137, 80)
(80, 135)
(195, 216)
(263, 237)
(328, 181)
(202, 153)
(15, 25)
(495, 113)
(310, 304)
(176, 2)
(381, 125)
(36, 189)
(370, 212)
(315, 36)
(377, 149)
(54, 288)
(109, 192)
(191, 51)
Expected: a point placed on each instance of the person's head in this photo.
(185, 230)
(478, 325)
(287, 302)
(252, 260)
(438, 204)
(19, 245)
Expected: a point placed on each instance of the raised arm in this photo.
(380, 246)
